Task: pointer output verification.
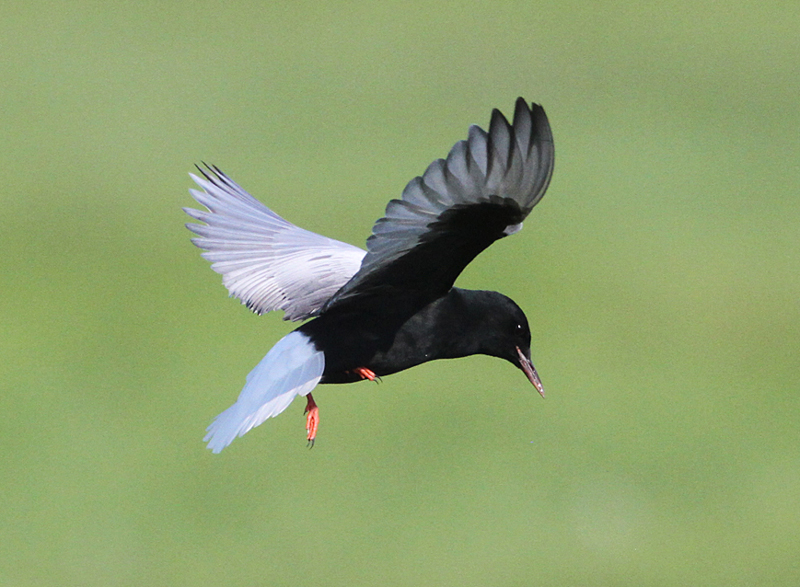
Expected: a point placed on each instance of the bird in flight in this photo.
(393, 306)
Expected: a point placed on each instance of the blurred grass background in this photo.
(660, 276)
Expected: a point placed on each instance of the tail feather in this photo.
(292, 367)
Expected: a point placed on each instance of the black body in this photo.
(409, 313)
(387, 336)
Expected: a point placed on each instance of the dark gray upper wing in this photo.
(265, 261)
(482, 192)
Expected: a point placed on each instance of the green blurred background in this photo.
(659, 273)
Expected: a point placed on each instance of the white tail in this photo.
(292, 367)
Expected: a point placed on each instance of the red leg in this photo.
(365, 373)
(312, 419)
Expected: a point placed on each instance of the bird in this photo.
(372, 313)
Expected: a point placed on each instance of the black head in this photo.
(506, 335)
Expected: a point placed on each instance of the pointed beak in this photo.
(530, 371)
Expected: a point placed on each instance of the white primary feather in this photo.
(292, 367)
(265, 261)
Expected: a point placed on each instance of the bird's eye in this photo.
(519, 327)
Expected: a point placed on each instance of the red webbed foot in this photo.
(312, 419)
(365, 373)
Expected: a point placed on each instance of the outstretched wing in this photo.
(458, 207)
(265, 261)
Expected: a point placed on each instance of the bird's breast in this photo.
(387, 338)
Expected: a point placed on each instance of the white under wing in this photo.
(292, 367)
(265, 261)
